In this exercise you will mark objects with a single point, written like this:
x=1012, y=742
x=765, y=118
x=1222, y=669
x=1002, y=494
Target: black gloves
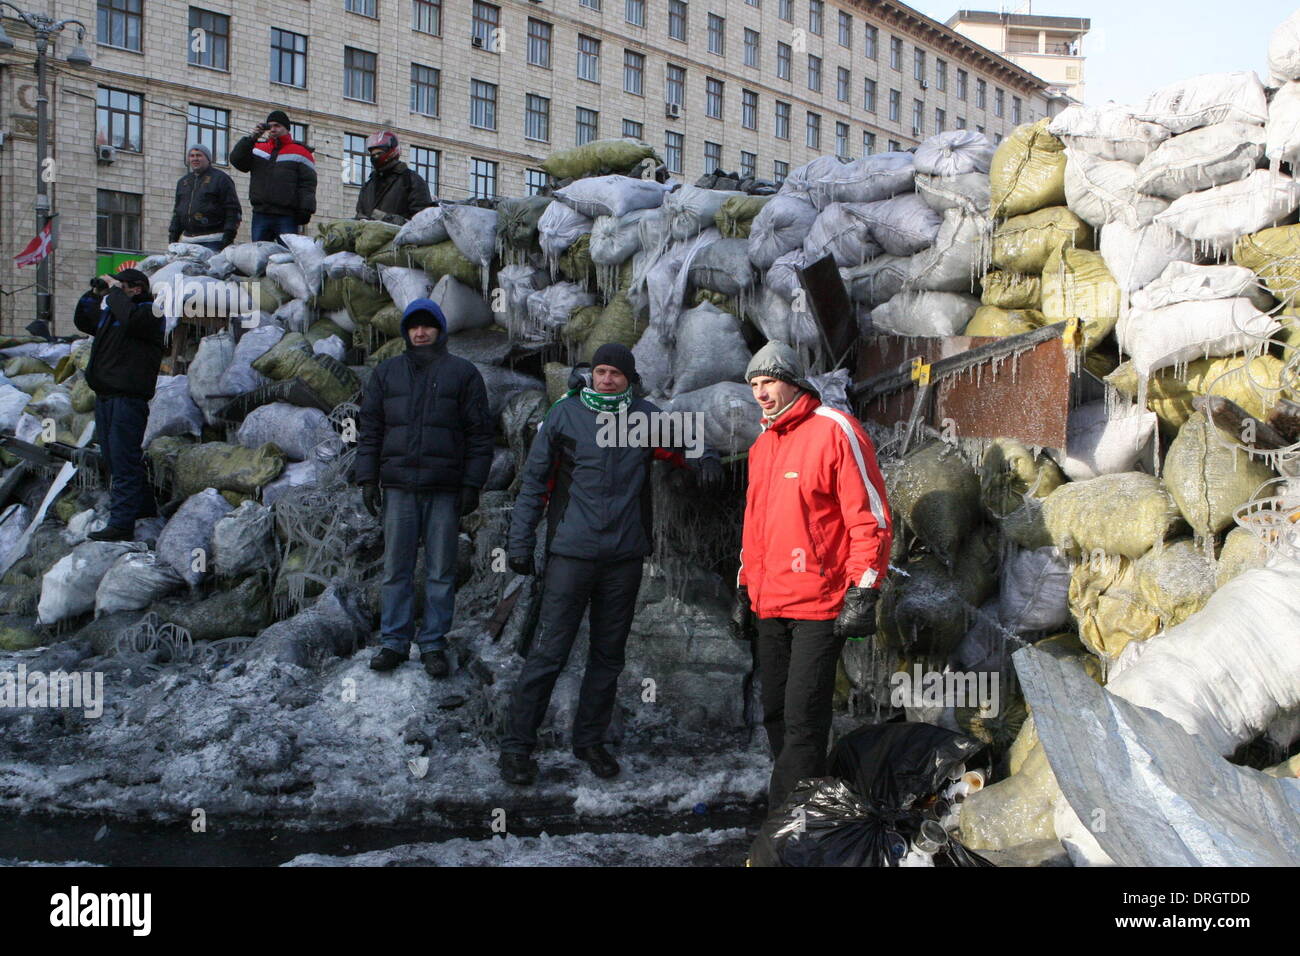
x=579, y=376
x=227, y=238
x=372, y=498
x=709, y=473
x=175, y=238
x=743, y=621
x=857, y=619
x=522, y=565
x=468, y=500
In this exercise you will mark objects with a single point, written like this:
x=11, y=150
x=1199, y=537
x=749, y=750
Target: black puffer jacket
x=206, y=203
x=425, y=429
x=128, y=345
x=283, y=180
x=396, y=190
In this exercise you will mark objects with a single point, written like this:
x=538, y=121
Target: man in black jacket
x=123, y=369
x=207, y=210
x=394, y=192
x=282, y=187
x=426, y=437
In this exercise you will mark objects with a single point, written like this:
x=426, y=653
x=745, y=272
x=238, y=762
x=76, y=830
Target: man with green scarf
x=596, y=496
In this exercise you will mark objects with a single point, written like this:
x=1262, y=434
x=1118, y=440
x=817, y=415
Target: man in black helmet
x=394, y=192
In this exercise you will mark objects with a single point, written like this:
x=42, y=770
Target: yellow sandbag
x=599, y=158
x=1241, y=551
x=1012, y=811
x=26, y=365
x=1077, y=284
x=1010, y=290
x=1028, y=172
x=999, y=323
x=1175, y=581
x=388, y=350
x=1010, y=472
x=1108, y=607
x=735, y=215
x=1127, y=513
x=1025, y=243
x=1209, y=476
x=83, y=396
x=227, y=467
x=1251, y=383
x=1273, y=255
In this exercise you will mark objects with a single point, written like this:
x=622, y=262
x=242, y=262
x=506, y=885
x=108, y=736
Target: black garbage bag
x=899, y=764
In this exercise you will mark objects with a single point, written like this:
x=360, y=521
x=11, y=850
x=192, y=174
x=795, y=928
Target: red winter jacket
x=816, y=516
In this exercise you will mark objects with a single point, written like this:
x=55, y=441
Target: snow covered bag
x=404, y=286
x=1284, y=50
x=723, y=266
x=518, y=283
x=559, y=227
x=190, y=250
x=1191, y=330
x=1035, y=590
x=331, y=345
x=1218, y=216
x=954, y=153
x=244, y=540
x=310, y=256
x=240, y=376
x=296, y=474
x=780, y=227
x=251, y=258
x=924, y=314
x=777, y=319
x=295, y=315
x=1107, y=132
x=614, y=240
x=1283, y=131
x=68, y=588
x=296, y=430
x=968, y=192
x=1099, y=191
x=843, y=232
x=611, y=195
x=549, y=310
x=731, y=416
x=1209, y=98
x=134, y=582
x=826, y=180
x=185, y=545
x=474, y=231
x=710, y=349
x=1186, y=282
x=1097, y=444
x=216, y=353
x=692, y=209
x=876, y=282
x=782, y=277
x=425, y=228
x=1202, y=159
x=833, y=389
x=463, y=307
x=956, y=259
x=289, y=277
x=1135, y=256
x=901, y=226
x=342, y=265
x=172, y=410
x=12, y=403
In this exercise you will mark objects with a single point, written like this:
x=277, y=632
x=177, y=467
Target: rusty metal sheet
x=832, y=309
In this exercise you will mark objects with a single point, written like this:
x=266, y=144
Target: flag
x=38, y=248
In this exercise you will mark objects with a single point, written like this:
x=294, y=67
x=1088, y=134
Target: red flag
x=38, y=248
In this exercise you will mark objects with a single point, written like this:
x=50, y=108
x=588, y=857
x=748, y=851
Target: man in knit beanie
x=207, y=209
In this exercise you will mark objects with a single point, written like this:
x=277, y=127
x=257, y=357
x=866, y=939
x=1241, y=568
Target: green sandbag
x=517, y=220
x=361, y=299
x=575, y=263
x=333, y=381
x=616, y=322
x=1127, y=514
x=26, y=365
x=581, y=321
x=230, y=612
x=724, y=302
x=937, y=494
x=1028, y=172
x=163, y=453
x=269, y=295
x=444, y=259
x=735, y=215
x=330, y=297
x=339, y=235
x=600, y=158
x=322, y=329
x=386, y=351
x=1209, y=476
x=1010, y=290
x=83, y=396
x=1025, y=243
x=271, y=362
x=387, y=321
x=18, y=639
x=557, y=379
x=373, y=236
x=227, y=467
x=295, y=565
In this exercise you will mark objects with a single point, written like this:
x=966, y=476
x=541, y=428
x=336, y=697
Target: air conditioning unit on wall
x=105, y=154
x=672, y=110
x=476, y=42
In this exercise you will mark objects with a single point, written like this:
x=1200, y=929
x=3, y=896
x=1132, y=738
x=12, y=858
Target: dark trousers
x=119, y=428
x=570, y=586
x=268, y=228
x=410, y=516
x=796, y=668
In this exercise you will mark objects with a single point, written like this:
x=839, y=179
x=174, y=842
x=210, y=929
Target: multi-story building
x=1050, y=47
x=478, y=93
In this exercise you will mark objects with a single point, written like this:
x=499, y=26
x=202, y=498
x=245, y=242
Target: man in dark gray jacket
x=589, y=469
x=426, y=438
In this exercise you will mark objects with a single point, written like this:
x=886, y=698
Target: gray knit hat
x=780, y=361
x=201, y=148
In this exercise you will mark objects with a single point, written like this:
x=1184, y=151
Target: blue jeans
x=409, y=516
x=267, y=228
x=119, y=428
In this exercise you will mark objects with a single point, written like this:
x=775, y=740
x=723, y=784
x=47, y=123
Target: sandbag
x=902, y=225
x=731, y=416
x=502, y=384
x=289, y=277
x=296, y=474
x=653, y=364
x=240, y=376
x=991, y=322
x=226, y=467
x=778, y=320
x=1273, y=255
x=1185, y=282
x=1284, y=49
x=780, y=227
x=1023, y=244
x=214, y=356
x=134, y=582
x=1217, y=217
x=1191, y=330
x=295, y=315
x=826, y=180
x=334, y=382
x=517, y=222
x=616, y=322
x=339, y=235
x=1076, y=283
x=1241, y=551
x=1100, y=444
x=1107, y=605
x=372, y=236
x=463, y=307
x=517, y=283
x=937, y=494
x=783, y=278
x=172, y=410
x=735, y=216
x=68, y=588
x=296, y=431
x=309, y=255
x=185, y=545
x=1009, y=473
x=243, y=540
x=691, y=209
x=1137, y=256
x=474, y=231
x=1252, y=383
x=957, y=257
x=872, y=283
x=1107, y=132
x=341, y=265
x=423, y=229
x=968, y=192
x=1009, y=290
x=404, y=286
x=924, y=313
x=723, y=266
x=843, y=232
x=710, y=348
x=559, y=227
x=596, y=158
x=1207, y=157
x=444, y=259
x=549, y=309
x=954, y=153
x=1028, y=173
x=1209, y=477
x=1099, y=191
x=1034, y=590
x=1080, y=515
x=611, y=195
x=615, y=240
x=1175, y=581
x=1209, y=98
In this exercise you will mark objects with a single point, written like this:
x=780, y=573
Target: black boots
x=386, y=659
x=519, y=769
x=112, y=534
x=435, y=663
x=599, y=759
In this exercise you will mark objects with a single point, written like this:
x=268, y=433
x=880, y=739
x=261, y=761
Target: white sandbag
x=826, y=180
x=924, y=314
x=957, y=258
x=404, y=286
x=68, y=588
x=190, y=250
x=666, y=283
x=1284, y=50
x=134, y=582
x=549, y=310
x=1202, y=159
x=1107, y=132
x=13, y=524
x=296, y=315
x=425, y=228
x=51, y=353
x=517, y=282
x=1099, y=191
x=1097, y=444
x=219, y=267
x=954, y=153
x=463, y=307
x=331, y=345
x=1191, y=330
x=215, y=354
x=780, y=227
x=172, y=410
x=782, y=277
x=185, y=545
x=296, y=430
x=559, y=227
x=243, y=541
x=1187, y=282
x=1283, y=131
x=968, y=192
x=778, y=319
x=1136, y=256
x=833, y=389
x=289, y=277
x=251, y=258
x=693, y=208
x=151, y=264
x=55, y=404
x=1218, y=216
x=240, y=376
x=166, y=275
x=842, y=232
x=341, y=265
x=611, y=195
x=28, y=429
x=1035, y=590
x=1209, y=98
x=296, y=474
x=723, y=266
x=710, y=348
x=903, y=225
x=653, y=364
x=474, y=231
x=877, y=281
x=12, y=403
x=309, y=254
x=732, y=419
x=614, y=240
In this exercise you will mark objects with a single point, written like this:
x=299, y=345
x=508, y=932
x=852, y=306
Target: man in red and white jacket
x=282, y=187
x=814, y=553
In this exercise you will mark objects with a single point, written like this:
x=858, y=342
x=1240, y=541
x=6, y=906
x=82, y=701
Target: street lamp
x=44, y=27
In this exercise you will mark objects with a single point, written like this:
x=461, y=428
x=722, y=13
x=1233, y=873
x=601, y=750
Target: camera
x=98, y=285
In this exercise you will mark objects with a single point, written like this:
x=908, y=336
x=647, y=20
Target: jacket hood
x=426, y=307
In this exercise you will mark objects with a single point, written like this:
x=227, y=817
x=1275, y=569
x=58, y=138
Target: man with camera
x=207, y=210
x=282, y=181
x=123, y=369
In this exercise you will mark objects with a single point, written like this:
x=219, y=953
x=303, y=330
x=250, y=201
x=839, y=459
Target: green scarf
x=603, y=402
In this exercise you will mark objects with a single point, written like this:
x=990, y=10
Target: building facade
x=1049, y=47
x=478, y=93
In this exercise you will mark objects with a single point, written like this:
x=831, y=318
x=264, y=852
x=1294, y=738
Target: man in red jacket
x=814, y=553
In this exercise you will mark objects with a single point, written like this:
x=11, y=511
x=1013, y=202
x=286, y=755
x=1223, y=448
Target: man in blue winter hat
x=424, y=449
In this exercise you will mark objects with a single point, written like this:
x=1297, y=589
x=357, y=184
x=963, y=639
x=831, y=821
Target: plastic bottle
x=929, y=840
x=969, y=782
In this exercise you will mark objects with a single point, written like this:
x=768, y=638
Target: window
x=677, y=20
x=591, y=4
x=813, y=139
x=633, y=72
x=427, y=163
x=918, y=64
x=537, y=118
x=782, y=120
x=717, y=35
x=868, y=142
x=981, y=95
x=119, y=119
x=426, y=17
x=483, y=178
x=482, y=104
x=918, y=117
x=298, y=132
x=786, y=11
x=870, y=42
x=367, y=8
x=979, y=129
x=539, y=43
x=895, y=53
x=1015, y=110
x=751, y=47
x=814, y=73
x=535, y=180
x=961, y=122
x=424, y=90
x=940, y=120
x=634, y=12
x=211, y=127
x=869, y=95
x=895, y=105
x=117, y=225
x=999, y=103
x=713, y=98
x=846, y=29
x=356, y=162
x=588, y=58
x=783, y=55
x=486, y=26
x=675, y=84
x=753, y=3
x=941, y=74
x=209, y=42
x=358, y=75
x=842, y=82
x=894, y=146
x=633, y=130
x=748, y=163
x=288, y=58
x=749, y=109
x=780, y=170
x=815, y=17
x=712, y=156
x=997, y=138
x=119, y=23
x=963, y=78
x=842, y=140
x=674, y=151
x=587, y=126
